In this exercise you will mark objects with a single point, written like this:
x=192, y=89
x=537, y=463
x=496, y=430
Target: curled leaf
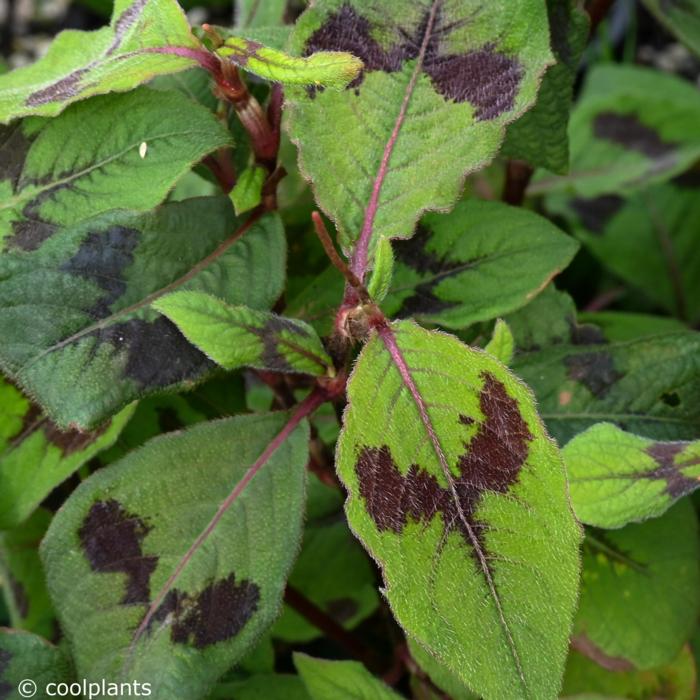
x=334, y=69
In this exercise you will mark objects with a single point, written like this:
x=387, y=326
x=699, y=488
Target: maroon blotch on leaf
x=112, y=538
x=664, y=454
x=483, y=77
x=626, y=130
x=216, y=614
x=491, y=463
x=595, y=370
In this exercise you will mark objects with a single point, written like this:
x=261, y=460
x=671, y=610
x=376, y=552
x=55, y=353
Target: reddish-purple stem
x=304, y=409
x=361, y=255
x=204, y=58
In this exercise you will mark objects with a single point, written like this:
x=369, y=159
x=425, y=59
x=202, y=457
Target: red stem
x=326, y=624
x=360, y=258
x=518, y=176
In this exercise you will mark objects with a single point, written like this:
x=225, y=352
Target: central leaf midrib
x=389, y=340
x=360, y=256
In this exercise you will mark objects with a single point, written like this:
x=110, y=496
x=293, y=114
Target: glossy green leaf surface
x=640, y=589
x=441, y=80
x=482, y=260
x=631, y=128
x=617, y=477
x=540, y=136
x=118, y=539
x=340, y=680
x=146, y=38
x=103, y=345
x=467, y=514
x=237, y=336
x=35, y=456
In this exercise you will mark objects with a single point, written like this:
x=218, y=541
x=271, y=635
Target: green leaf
x=112, y=551
x=340, y=680
x=383, y=271
x=22, y=577
x=648, y=239
x=27, y=657
x=647, y=386
x=502, y=343
x=540, y=136
x=334, y=69
x=675, y=680
x=640, y=589
x=441, y=676
x=617, y=477
x=458, y=493
x=549, y=319
x=36, y=456
x=256, y=13
x=247, y=192
x=632, y=127
x=619, y=325
x=146, y=38
x=482, y=260
x=681, y=17
x=237, y=336
x=58, y=172
x=441, y=81
x=268, y=686
x=78, y=330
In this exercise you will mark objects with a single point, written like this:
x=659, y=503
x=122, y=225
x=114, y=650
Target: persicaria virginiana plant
x=291, y=407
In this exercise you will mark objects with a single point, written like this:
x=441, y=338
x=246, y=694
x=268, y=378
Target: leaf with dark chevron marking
x=648, y=239
x=237, y=336
x=111, y=551
x=643, y=382
x=78, y=327
x=441, y=80
x=631, y=128
x=146, y=38
x=482, y=260
x=459, y=494
x=617, y=477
